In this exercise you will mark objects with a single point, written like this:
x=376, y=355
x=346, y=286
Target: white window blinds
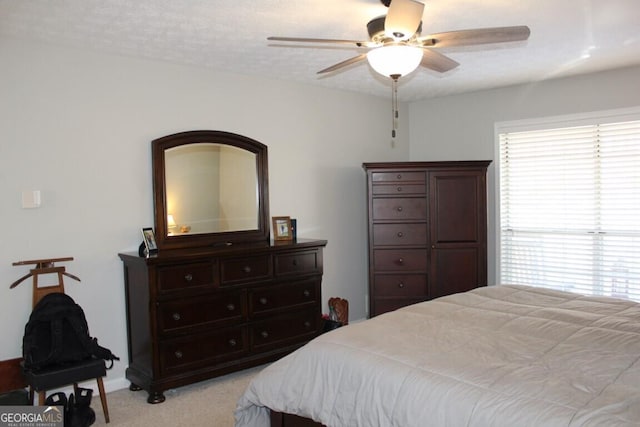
x=570, y=208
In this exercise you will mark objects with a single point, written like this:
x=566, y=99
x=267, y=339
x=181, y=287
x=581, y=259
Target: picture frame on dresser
x=149, y=238
x=282, y=228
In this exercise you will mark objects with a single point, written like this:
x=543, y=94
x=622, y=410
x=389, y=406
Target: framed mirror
x=210, y=188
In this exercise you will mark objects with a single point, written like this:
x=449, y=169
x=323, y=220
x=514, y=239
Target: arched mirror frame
x=158, y=148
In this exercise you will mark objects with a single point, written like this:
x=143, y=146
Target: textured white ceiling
x=231, y=36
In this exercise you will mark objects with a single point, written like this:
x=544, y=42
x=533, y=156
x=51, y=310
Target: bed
x=495, y=356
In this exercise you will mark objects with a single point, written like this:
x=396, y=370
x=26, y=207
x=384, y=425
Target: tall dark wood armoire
x=427, y=231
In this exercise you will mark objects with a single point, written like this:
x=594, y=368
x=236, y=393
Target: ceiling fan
x=401, y=30
x=397, y=46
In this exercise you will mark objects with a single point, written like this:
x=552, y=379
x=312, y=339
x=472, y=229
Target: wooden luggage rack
x=62, y=375
x=44, y=266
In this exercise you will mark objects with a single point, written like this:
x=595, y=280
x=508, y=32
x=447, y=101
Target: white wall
x=462, y=127
x=77, y=126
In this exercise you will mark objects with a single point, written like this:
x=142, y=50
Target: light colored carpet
x=207, y=403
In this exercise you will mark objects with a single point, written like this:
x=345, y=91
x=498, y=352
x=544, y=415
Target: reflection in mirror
x=210, y=188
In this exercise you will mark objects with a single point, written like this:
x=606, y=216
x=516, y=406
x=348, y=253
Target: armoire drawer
x=186, y=276
x=203, y=311
x=399, y=208
x=401, y=285
x=400, y=234
x=296, y=263
x=384, y=305
x=246, y=269
x=398, y=176
x=284, y=296
x=400, y=259
x=199, y=350
x=285, y=329
x=398, y=189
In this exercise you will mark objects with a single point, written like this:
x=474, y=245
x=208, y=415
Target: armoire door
x=457, y=204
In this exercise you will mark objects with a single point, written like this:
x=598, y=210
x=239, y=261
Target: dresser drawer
x=285, y=329
x=200, y=350
x=186, y=276
x=401, y=208
x=278, y=297
x=399, y=189
x=398, y=176
x=401, y=285
x=185, y=313
x=399, y=234
x=243, y=270
x=296, y=263
x=400, y=259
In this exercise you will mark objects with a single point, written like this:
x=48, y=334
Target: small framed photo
x=149, y=240
x=282, y=228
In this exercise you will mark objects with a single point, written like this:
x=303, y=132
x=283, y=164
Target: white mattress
x=495, y=356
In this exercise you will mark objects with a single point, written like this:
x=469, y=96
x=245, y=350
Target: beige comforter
x=497, y=356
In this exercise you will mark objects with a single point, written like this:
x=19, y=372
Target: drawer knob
x=188, y=277
x=306, y=293
x=401, y=285
x=433, y=246
x=399, y=176
x=246, y=269
x=263, y=301
x=178, y=354
x=307, y=324
x=232, y=342
x=399, y=208
x=399, y=189
x=400, y=234
x=176, y=316
x=264, y=334
x=400, y=260
x=231, y=307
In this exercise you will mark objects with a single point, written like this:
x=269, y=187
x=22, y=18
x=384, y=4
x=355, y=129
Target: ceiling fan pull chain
x=394, y=104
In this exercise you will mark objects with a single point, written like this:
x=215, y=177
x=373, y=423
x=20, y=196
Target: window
x=569, y=195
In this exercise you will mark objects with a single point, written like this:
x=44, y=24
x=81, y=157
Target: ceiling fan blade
x=437, y=62
x=312, y=40
x=403, y=18
x=477, y=36
x=343, y=64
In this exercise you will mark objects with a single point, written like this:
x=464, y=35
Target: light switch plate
x=31, y=199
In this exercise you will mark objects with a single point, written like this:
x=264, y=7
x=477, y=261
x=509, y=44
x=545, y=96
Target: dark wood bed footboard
x=280, y=419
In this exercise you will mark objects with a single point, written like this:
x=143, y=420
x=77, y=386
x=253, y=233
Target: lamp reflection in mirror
x=171, y=223
x=395, y=59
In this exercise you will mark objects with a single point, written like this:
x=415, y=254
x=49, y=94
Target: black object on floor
x=15, y=398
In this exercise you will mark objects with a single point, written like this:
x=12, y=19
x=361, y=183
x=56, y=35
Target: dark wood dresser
x=427, y=231
x=196, y=313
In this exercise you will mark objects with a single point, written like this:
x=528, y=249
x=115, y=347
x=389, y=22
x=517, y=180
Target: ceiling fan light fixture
x=398, y=60
x=403, y=19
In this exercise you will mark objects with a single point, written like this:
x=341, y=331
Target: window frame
x=542, y=123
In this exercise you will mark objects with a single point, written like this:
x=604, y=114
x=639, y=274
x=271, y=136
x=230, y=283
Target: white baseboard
x=116, y=384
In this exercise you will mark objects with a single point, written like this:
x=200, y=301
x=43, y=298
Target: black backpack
x=57, y=333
